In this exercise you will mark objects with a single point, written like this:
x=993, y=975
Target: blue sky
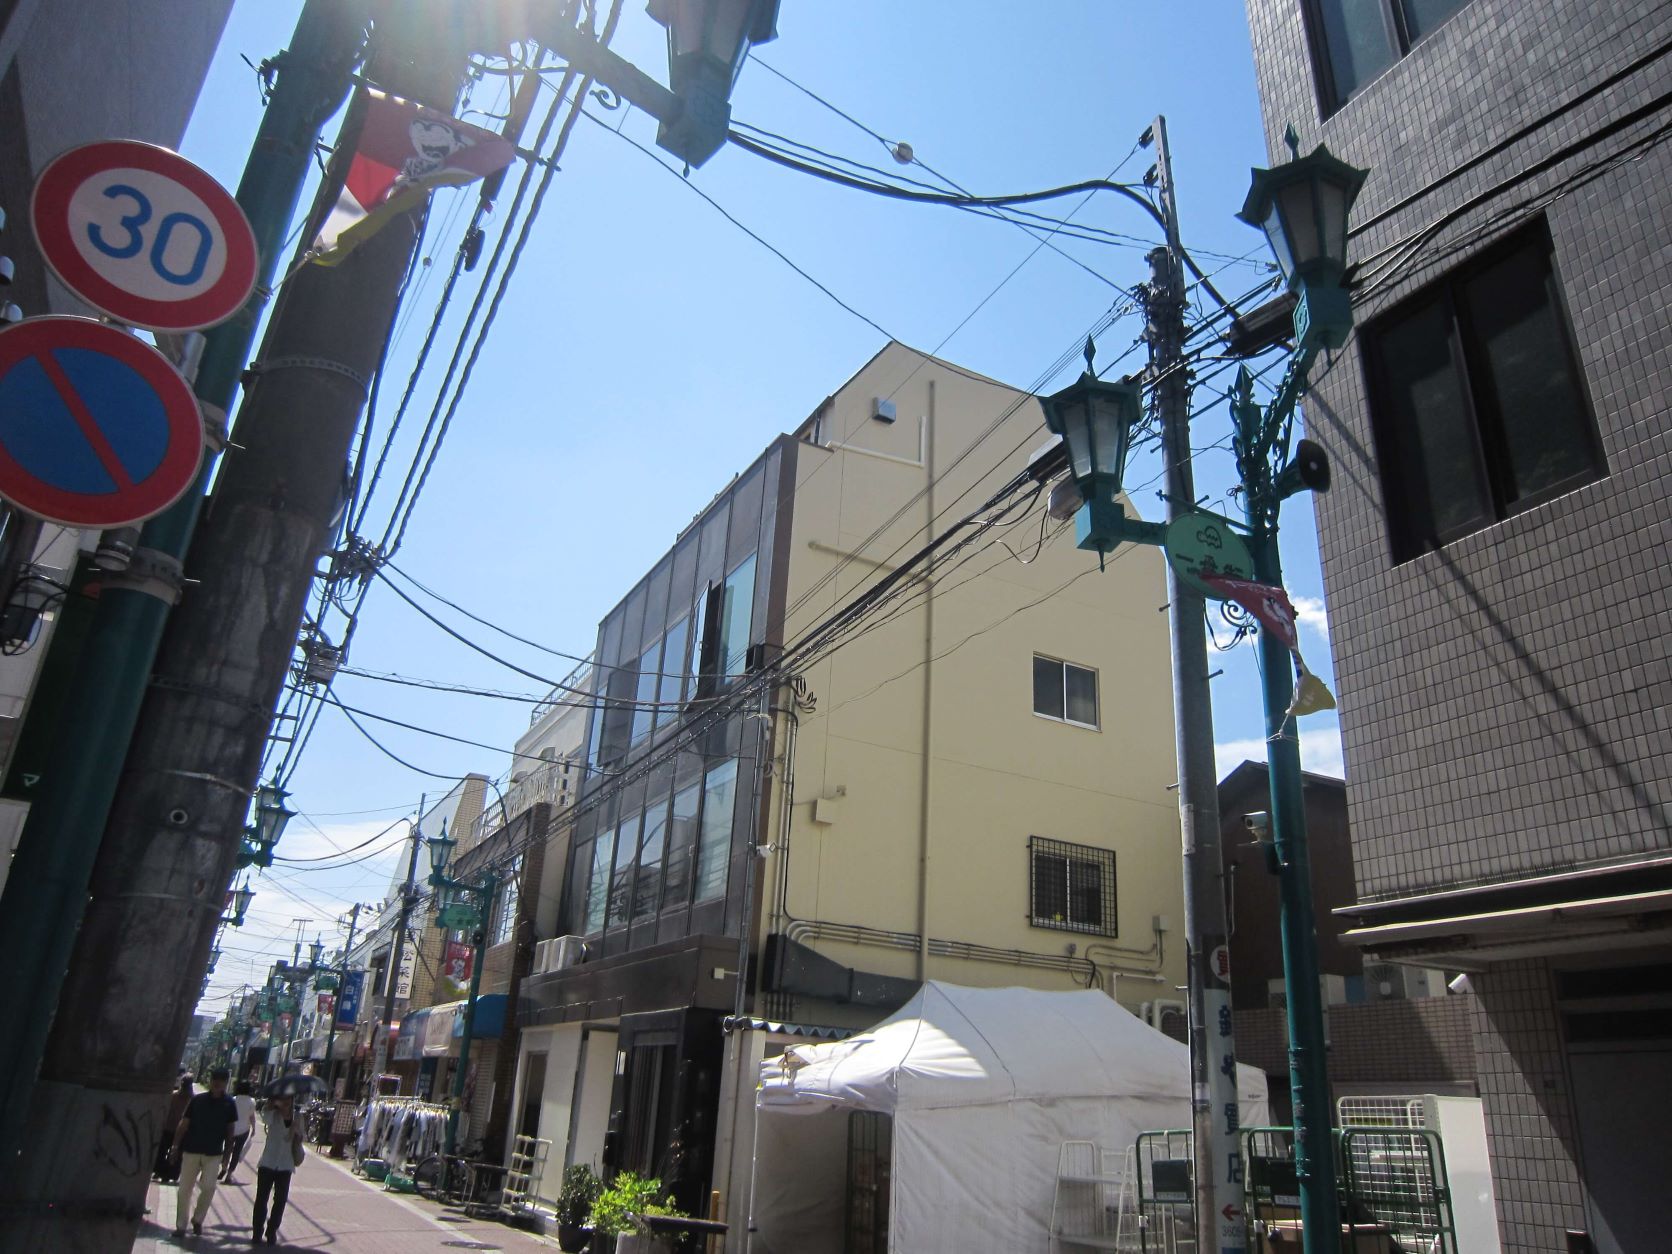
x=647, y=348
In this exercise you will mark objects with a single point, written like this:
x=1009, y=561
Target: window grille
x=1071, y=887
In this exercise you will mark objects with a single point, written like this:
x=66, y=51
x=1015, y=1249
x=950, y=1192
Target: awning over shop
x=437, y=1031
x=775, y=1027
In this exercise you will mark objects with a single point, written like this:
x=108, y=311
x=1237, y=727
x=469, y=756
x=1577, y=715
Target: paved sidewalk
x=330, y=1209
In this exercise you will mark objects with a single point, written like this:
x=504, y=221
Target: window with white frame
x=1071, y=887
x=1064, y=691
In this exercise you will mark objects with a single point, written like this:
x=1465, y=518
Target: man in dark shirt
x=199, y=1141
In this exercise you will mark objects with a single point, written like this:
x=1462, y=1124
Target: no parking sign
x=143, y=235
x=97, y=429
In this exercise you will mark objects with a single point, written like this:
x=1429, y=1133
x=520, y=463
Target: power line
x=749, y=231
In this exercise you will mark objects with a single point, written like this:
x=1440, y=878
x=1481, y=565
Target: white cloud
x=1320, y=751
x=1310, y=613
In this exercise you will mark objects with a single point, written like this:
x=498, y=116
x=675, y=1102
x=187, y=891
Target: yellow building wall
x=998, y=773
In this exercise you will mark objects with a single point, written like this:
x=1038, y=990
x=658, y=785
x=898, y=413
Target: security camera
x=1258, y=823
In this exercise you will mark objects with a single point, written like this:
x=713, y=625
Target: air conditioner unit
x=570, y=951
x=1425, y=982
x=544, y=952
x=1168, y=1016
x=1333, y=989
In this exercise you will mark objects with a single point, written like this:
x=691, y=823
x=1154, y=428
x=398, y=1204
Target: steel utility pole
x=397, y=954
x=170, y=844
x=337, y=1002
x=1218, y=1169
x=47, y=885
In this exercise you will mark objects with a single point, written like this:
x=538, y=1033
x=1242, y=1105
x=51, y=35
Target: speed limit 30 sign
x=143, y=235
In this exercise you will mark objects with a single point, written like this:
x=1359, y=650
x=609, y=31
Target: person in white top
x=280, y=1154
x=241, y=1130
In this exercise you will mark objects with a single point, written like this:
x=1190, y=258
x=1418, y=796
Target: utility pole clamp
x=258, y=368
x=151, y=574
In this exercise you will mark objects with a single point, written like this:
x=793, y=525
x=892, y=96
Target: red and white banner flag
x=403, y=150
x=1270, y=605
x=1272, y=609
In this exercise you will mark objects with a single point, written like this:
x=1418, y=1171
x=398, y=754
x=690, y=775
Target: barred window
x=1071, y=887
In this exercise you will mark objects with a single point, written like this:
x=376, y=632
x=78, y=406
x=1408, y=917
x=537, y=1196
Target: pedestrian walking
x=245, y=1101
x=199, y=1141
x=165, y=1168
x=281, y=1155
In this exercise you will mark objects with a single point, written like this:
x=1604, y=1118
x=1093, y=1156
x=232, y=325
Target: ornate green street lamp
x=239, y=899
x=1095, y=418
x=441, y=852
x=1302, y=206
x=462, y=906
x=261, y=837
x=708, y=41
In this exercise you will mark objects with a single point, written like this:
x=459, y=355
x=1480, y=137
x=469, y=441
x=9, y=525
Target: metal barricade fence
x=1166, y=1200
x=1397, y=1177
x=1272, y=1194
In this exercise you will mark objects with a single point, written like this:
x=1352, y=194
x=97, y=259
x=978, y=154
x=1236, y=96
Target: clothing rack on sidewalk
x=396, y=1129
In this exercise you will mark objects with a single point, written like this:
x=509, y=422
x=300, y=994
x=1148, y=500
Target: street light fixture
x=1095, y=419
x=272, y=816
x=240, y=899
x=1302, y=206
x=708, y=41
x=441, y=852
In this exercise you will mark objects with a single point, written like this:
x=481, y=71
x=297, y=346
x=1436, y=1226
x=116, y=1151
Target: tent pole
x=754, y=1163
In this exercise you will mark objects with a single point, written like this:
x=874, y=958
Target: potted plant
x=580, y=1190
x=617, y=1215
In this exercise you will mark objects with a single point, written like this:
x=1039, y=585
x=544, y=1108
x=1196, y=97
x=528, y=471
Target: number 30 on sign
x=143, y=235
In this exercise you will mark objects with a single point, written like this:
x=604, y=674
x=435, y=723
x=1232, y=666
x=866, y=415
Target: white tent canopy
x=984, y=1085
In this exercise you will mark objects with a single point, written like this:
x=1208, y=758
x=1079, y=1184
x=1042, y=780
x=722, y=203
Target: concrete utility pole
x=1218, y=1167
x=397, y=954
x=170, y=844
x=47, y=885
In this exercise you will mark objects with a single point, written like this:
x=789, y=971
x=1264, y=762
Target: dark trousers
x=234, y=1152
x=278, y=1184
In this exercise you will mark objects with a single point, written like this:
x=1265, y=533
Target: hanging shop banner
x=1272, y=609
x=402, y=152
x=348, y=1010
x=325, y=1002
x=456, y=964
x=409, y=963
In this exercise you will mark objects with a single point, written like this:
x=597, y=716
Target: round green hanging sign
x=1203, y=544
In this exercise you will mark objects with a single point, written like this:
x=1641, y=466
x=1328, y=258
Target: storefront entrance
x=666, y=1095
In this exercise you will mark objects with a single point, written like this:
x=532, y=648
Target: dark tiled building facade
x=1494, y=550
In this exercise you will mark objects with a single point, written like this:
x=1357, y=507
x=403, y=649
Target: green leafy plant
x=580, y=1191
x=624, y=1199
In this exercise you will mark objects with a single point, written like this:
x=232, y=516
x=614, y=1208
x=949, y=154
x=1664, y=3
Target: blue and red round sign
x=97, y=428
x=143, y=235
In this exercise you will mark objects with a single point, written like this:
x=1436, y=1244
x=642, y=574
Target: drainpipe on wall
x=928, y=699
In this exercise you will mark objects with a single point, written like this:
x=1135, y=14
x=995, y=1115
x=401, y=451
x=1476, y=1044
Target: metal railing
x=575, y=686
